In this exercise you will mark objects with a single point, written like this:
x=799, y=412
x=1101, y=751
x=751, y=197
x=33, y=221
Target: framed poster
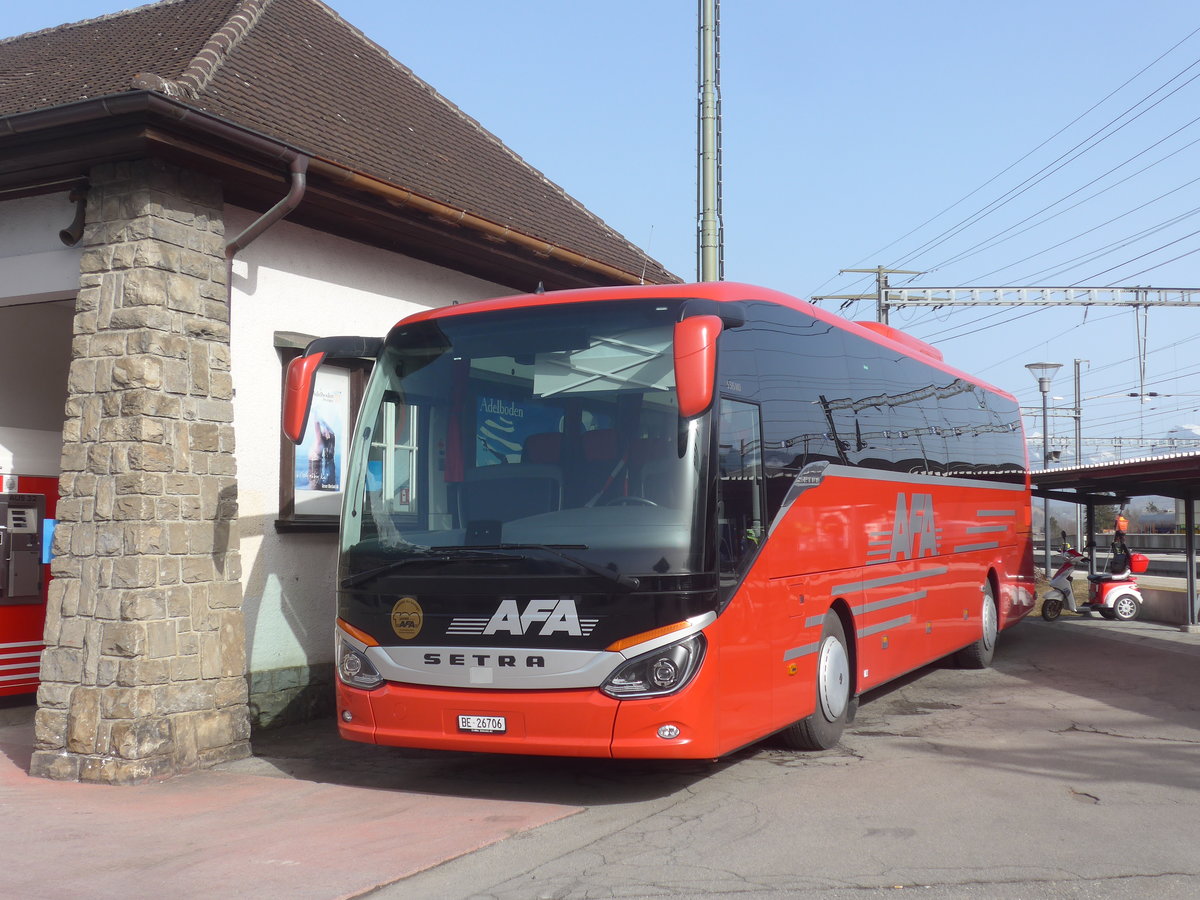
x=312, y=473
x=317, y=462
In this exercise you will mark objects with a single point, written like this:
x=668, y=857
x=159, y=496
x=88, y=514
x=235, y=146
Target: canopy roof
x=1175, y=475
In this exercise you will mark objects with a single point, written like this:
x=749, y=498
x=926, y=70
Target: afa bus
x=660, y=522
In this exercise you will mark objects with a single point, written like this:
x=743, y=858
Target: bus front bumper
x=544, y=723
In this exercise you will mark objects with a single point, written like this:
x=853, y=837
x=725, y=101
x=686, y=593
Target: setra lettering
x=502, y=661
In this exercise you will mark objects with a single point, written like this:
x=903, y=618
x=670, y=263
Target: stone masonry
x=144, y=670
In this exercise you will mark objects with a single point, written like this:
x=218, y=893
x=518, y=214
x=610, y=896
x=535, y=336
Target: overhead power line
x=1031, y=152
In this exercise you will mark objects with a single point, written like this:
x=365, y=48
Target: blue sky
x=859, y=134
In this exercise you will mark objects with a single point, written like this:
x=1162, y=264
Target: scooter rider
x=1118, y=563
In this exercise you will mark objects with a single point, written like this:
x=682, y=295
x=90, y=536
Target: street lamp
x=1044, y=373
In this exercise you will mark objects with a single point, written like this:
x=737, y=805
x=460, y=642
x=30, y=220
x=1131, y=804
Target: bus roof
x=721, y=292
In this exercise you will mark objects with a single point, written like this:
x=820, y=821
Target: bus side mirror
x=302, y=372
x=695, y=344
x=298, y=394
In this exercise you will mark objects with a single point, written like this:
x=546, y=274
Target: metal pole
x=1044, y=372
x=1044, y=384
x=1091, y=540
x=709, y=238
x=1078, y=447
x=881, y=285
x=1189, y=525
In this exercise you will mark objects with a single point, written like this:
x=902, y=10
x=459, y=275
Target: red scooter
x=1060, y=592
x=1113, y=593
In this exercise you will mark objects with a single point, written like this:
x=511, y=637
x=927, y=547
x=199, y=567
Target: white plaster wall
x=38, y=277
x=296, y=279
x=34, y=263
x=35, y=354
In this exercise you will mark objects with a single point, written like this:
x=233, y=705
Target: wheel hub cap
x=833, y=678
x=990, y=623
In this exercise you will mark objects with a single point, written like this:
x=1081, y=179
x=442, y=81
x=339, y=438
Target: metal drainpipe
x=299, y=169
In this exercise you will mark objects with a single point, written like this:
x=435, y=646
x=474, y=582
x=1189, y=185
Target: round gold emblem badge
x=407, y=618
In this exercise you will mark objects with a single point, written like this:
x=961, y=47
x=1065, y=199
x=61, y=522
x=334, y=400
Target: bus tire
x=979, y=654
x=835, y=703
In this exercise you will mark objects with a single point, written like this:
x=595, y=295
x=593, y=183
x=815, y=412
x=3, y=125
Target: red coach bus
x=661, y=522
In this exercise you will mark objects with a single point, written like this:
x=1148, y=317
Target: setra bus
x=661, y=521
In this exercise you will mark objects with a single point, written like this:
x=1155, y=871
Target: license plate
x=483, y=724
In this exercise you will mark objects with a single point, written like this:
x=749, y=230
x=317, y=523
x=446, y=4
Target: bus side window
x=741, y=526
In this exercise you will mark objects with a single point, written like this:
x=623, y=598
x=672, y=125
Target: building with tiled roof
x=275, y=78
x=189, y=191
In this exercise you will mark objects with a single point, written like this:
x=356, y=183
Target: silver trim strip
x=883, y=626
x=804, y=650
x=891, y=601
x=967, y=548
x=809, y=477
x=914, y=478
x=869, y=583
x=986, y=529
x=558, y=668
x=982, y=513
x=479, y=667
x=23, y=644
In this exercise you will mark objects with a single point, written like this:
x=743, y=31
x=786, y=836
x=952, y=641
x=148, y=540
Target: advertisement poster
x=318, y=461
x=502, y=426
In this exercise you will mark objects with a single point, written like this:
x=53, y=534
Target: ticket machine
x=22, y=521
x=25, y=531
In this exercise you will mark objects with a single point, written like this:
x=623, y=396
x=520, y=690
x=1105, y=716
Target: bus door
x=751, y=621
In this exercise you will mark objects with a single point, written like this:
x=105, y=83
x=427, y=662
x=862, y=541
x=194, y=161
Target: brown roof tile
x=294, y=70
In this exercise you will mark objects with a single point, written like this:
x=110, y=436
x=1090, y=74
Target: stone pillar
x=143, y=674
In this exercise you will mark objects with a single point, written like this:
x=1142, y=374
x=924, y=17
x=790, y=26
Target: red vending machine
x=27, y=509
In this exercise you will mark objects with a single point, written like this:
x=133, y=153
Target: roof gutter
x=401, y=197
x=146, y=101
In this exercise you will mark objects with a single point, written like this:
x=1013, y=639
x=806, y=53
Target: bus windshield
x=549, y=434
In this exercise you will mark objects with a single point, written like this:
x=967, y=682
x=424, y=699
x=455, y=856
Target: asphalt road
x=1071, y=769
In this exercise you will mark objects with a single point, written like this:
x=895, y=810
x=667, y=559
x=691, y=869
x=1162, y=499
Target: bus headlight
x=659, y=672
x=355, y=669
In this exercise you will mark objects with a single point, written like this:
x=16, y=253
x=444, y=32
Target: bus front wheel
x=835, y=705
x=979, y=654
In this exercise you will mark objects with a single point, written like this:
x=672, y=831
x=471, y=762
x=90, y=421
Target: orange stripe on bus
x=357, y=633
x=625, y=643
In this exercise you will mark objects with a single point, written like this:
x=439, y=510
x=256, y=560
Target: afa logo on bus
x=914, y=529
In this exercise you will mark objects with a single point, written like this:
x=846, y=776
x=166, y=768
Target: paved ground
x=1070, y=770
x=246, y=829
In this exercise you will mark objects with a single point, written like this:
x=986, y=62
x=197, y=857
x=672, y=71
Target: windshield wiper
x=625, y=582
x=443, y=555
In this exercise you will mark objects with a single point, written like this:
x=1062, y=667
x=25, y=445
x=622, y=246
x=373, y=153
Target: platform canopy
x=1175, y=475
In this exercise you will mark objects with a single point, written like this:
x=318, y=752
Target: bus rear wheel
x=979, y=654
x=835, y=705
